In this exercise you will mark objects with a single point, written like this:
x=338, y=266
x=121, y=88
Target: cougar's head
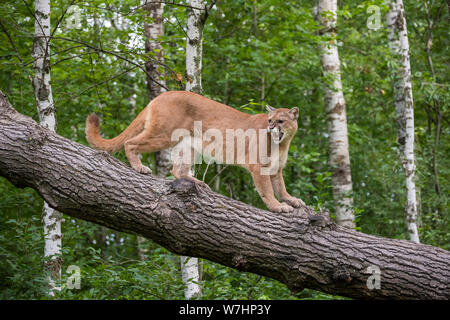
x=282, y=123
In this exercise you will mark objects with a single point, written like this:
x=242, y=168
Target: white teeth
x=277, y=136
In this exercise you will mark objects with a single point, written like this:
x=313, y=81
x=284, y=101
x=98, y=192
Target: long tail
x=114, y=144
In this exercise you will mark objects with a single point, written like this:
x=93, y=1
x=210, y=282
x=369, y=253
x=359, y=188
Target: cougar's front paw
x=144, y=169
x=282, y=207
x=295, y=202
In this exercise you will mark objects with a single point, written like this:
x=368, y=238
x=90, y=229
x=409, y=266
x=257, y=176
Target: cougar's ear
x=269, y=108
x=294, y=112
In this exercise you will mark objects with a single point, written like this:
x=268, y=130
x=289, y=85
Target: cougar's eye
x=280, y=121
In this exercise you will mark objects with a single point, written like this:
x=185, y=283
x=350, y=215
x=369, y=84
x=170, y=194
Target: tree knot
x=37, y=138
x=341, y=274
x=183, y=186
x=239, y=262
x=316, y=220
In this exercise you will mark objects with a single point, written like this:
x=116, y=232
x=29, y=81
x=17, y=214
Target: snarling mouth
x=280, y=136
x=277, y=136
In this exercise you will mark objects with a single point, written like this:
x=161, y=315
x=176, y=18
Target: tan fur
x=152, y=130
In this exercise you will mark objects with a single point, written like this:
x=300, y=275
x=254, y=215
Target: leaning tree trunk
x=404, y=109
x=195, y=22
x=337, y=118
x=46, y=111
x=300, y=249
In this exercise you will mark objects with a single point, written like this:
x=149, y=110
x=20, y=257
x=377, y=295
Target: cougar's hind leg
x=144, y=142
x=182, y=168
x=183, y=171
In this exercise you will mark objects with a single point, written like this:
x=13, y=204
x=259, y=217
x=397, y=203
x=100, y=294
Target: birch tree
x=45, y=107
x=404, y=109
x=195, y=23
x=336, y=114
x=154, y=30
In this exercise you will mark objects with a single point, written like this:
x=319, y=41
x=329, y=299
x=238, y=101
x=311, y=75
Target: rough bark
x=404, y=109
x=46, y=111
x=41, y=64
x=300, y=249
x=154, y=30
x=194, y=45
x=337, y=117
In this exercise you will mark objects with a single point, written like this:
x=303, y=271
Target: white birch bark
x=191, y=277
x=404, y=109
x=194, y=46
x=154, y=30
x=195, y=22
x=44, y=100
x=337, y=118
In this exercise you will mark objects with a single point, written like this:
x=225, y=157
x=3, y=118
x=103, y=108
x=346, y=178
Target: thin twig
x=165, y=2
x=11, y=41
x=218, y=173
x=113, y=54
x=71, y=57
x=55, y=53
x=95, y=84
x=61, y=18
x=179, y=26
x=206, y=170
x=139, y=7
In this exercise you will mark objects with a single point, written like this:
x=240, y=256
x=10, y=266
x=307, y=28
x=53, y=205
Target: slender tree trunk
x=404, y=109
x=300, y=249
x=154, y=30
x=46, y=111
x=263, y=91
x=431, y=23
x=337, y=118
x=194, y=46
x=195, y=22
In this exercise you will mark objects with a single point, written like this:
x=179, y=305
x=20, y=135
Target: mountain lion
x=197, y=119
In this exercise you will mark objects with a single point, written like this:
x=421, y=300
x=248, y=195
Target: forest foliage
x=254, y=52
